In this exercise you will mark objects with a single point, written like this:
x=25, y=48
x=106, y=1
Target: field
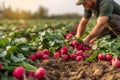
x=49, y=50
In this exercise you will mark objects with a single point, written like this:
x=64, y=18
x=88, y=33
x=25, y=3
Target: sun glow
x=53, y=6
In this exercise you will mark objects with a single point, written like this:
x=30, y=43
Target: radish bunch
x=77, y=51
x=39, y=55
x=108, y=57
x=19, y=73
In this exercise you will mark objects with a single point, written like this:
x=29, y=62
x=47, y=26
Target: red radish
x=69, y=36
x=91, y=42
x=31, y=74
x=85, y=56
x=65, y=36
x=0, y=66
x=72, y=56
x=65, y=57
x=39, y=54
x=75, y=43
x=32, y=57
x=116, y=63
x=58, y=51
x=79, y=47
x=108, y=57
x=113, y=59
x=19, y=72
x=64, y=50
x=71, y=32
x=85, y=48
x=45, y=51
x=57, y=54
x=79, y=58
x=45, y=56
x=79, y=53
x=40, y=73
x=101, y=57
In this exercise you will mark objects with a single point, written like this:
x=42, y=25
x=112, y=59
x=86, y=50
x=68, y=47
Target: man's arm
x=81, y=27
x=101, y=21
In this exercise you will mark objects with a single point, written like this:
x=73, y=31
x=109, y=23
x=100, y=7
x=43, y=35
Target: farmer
x=108, y=19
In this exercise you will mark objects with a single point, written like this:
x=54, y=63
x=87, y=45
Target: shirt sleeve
x=87, y=13
x=106, y=8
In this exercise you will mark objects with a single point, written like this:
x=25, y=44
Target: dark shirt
x=103, y=8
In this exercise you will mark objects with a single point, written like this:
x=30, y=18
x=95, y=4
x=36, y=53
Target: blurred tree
x=7, y=13
x=2, y=6
x=25, y=14
x=42, y=12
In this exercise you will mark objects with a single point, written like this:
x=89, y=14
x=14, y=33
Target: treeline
x=9, y=13
x=42, y=12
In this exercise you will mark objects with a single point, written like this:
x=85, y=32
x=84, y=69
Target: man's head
x=88, y=4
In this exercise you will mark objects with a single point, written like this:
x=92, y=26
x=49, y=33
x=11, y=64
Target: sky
x=53, y=6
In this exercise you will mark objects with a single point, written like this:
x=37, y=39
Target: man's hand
x=86, y=41
x=77, y=36
x=81, y=27
x=101, y=21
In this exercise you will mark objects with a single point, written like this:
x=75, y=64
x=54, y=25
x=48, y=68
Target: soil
x=59, y=69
